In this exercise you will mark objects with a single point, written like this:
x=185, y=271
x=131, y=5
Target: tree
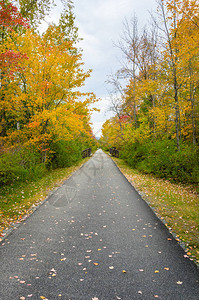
x=35, y=10
x=11, y=61
x=40, y=85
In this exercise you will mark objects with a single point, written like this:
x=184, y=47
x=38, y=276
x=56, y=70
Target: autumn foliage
x=161, y=98
x=42, y=111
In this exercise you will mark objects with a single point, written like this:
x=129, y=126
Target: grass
x=177, y=205
x=18, y=200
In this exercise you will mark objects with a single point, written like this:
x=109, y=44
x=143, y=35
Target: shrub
x=65, y=153
x=162, y=159
x=21, y=165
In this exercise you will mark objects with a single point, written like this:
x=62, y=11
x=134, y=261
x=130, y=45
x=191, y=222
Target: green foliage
x=67, y=23
x=134, y=154
x=162, y=159
x=65, y=153
x=20, y=165
x=35, y=11
x=25, y=163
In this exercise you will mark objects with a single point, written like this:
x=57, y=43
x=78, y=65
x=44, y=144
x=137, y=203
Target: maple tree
x=11, y=59
x=41, y=77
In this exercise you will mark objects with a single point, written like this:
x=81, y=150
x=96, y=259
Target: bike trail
x=95, y=238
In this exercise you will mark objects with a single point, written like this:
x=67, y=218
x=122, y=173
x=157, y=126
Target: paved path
x=95, y=238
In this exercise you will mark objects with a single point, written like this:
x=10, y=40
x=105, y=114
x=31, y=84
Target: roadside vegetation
x=176, y=204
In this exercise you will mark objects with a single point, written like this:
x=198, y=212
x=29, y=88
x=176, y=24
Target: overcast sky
x=100, y=24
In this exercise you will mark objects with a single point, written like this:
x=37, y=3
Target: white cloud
x=111, y=10
x=98, y=118
x=100, y=23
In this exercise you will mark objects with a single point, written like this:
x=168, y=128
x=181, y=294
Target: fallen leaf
x=96, y=264
x=124, y=271
x=179, y=282
x=156, y=271
x=111, y=267
x=53, y=270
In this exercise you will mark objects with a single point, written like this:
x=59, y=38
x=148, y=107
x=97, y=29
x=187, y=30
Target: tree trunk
x=177, y=111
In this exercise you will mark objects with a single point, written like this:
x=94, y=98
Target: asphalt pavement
x=95, y=238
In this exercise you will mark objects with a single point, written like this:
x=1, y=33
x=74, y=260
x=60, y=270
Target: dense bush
x=65, y=154
x=20, y=165
x=162, y=159
x=26, y=163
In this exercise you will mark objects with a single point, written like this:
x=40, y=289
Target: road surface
x=95, y=238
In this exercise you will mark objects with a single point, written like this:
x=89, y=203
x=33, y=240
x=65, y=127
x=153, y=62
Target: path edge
x=34, y=207
x=146, y=198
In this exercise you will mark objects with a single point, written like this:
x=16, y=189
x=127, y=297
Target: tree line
x=44, y=116
x=156, y=122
